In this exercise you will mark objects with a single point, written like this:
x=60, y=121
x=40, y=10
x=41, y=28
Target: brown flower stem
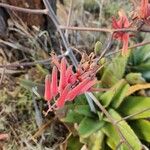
x=98, y=29
x=131, y=47
x=139, y=45
x=130, y=116
x=25, y=10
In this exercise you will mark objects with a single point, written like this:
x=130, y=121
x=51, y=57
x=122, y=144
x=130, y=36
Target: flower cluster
x=141, y=13
x=123, y=22
x=144, y=12
x=69, y=84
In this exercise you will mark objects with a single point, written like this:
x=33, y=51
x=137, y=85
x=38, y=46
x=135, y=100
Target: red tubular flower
x=47, y=94
x=62, y=82
x=69, y=73
x=70, y=85
x=123, y=22
x=75, y=91
x=61, y=100
x=142, y=12
x=54, y=60
x=87, y=87
x=144, y=9
x=54, y=87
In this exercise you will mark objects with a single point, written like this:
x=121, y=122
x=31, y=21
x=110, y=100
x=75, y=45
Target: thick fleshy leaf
x=88, y=126
x=142, y=129
x=135, y=78
x=120, y=95
x=125, y=129
x=112, y=134
x=117, y=91
x=111, y=144
x=73, y=117
x=98, y=47
x=83, y=110
x=139, y=59
x=144, y=66
x=114, y=71
x=146, y=75
x=134, y=105
x=96, y=141
x=73, y=143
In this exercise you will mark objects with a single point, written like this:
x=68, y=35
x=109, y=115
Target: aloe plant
x=129, y=110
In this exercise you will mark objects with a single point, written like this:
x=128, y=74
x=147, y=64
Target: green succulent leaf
x=73, y=143
x=140, y=61
x=72, y=117
x=114, y=71
x=135, y=78
x=115, y=95
x=98, y=47
x=120, y=95
x=142, y=129
x=140, y=55
x=96, y=141
x=110, y=143
x=83, y=110
x=137, y=106
x=126, y=131
x=88, y=126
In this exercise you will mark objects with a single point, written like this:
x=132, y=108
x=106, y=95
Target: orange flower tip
x=47, y=94
x=63, y=61
x=55, y=61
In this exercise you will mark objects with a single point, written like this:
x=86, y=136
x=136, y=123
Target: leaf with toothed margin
x=134, y=104
x=114, y=71
x=126, y=131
